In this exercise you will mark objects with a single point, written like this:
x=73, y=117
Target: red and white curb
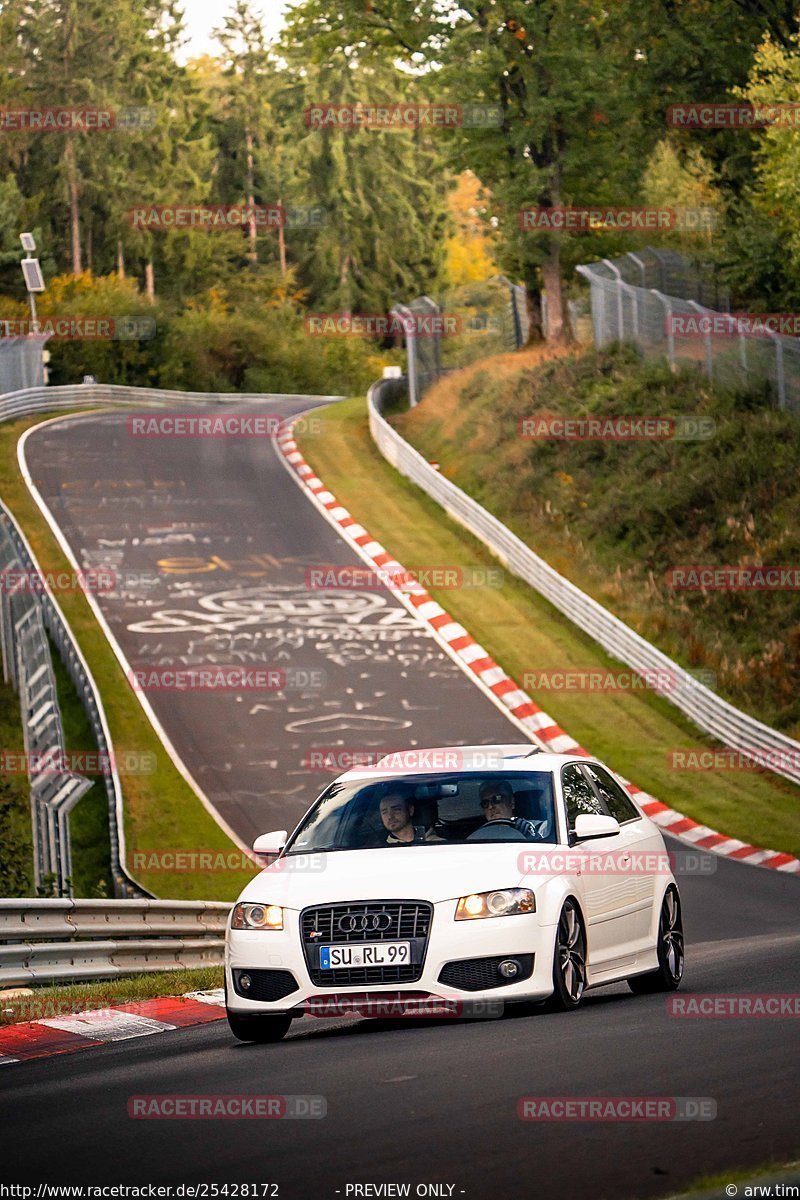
x=493, y=680
x=83, y=1030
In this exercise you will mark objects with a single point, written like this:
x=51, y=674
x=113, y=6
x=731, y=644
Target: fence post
x=618, y=278
x=780, y=376
x=640, y=264
x=407, y=317
x=742, y=346
x=709, y=357
x=665, y=300
x=634, y=309
x=662, y=270
x=515, y=317
x=437, y=337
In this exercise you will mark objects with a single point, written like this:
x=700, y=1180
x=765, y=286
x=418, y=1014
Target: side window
x=579, y=795
x=612, y=795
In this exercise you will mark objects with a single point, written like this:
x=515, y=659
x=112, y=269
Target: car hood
x=432, y=873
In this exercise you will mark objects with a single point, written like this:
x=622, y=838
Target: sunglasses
x=487, y=800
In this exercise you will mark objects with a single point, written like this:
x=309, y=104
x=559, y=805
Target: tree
x=248, y=70
x=469, y=247
x=382, y=192
x=684, y=180
x=114, y=55
x=546, y=68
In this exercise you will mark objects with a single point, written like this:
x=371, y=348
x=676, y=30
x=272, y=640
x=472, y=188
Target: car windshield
x=430, y=810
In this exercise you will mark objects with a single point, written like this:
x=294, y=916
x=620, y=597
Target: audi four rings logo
x=375, y=922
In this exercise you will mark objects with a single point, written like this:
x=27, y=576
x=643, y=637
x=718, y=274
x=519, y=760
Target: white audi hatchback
x=454, y=881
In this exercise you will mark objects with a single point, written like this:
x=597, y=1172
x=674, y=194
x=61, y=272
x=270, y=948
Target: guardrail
x=710, y=712
x=53, y=795
x=57, y=940
x=31, y=401
x=28, y=666
x=25, y=618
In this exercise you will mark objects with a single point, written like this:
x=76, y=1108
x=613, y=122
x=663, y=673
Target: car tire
x=270, y=1028
x=669, y=972
x=569, y=960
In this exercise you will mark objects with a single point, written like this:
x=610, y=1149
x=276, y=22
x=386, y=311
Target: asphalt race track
x=436, y=1102
x=419, y=1102
x=212, y=543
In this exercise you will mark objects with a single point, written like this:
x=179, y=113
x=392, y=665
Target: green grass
x=769, y=1173
x=42, y=1002
x=162, y=813
x=633, y=732
x=16, y=839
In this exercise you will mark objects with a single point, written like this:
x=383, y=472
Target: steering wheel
x=484, y=832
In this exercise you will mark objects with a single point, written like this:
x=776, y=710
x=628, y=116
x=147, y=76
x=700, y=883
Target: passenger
x=396, y=813
x=497, y=801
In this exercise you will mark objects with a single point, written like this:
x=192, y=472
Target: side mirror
x=270, y=843
x=594, y=825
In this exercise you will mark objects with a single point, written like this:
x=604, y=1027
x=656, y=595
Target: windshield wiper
x=314, y=850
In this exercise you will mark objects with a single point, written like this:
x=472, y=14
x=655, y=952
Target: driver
x=497, y=801
x=396, y=813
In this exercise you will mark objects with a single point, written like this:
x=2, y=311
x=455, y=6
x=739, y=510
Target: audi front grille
x=373, y=921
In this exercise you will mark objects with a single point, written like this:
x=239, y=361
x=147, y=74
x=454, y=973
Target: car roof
x=438, y=760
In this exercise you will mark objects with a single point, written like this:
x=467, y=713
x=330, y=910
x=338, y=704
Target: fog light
x=508, y=968
x=245, y=981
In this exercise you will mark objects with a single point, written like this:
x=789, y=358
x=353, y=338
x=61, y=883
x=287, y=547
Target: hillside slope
x=617, y=516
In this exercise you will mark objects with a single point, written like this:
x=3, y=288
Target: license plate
x=364, y=954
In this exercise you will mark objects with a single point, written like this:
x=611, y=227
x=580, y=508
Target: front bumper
x=521, y=937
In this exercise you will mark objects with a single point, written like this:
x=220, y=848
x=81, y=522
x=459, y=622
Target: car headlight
x=257, y=916
x=507, y=903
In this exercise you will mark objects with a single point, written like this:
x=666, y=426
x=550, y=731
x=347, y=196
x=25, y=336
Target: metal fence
x=657, y=300
x=710, y=712
x=466, y=324
x=21, y=361
x=58, y=940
